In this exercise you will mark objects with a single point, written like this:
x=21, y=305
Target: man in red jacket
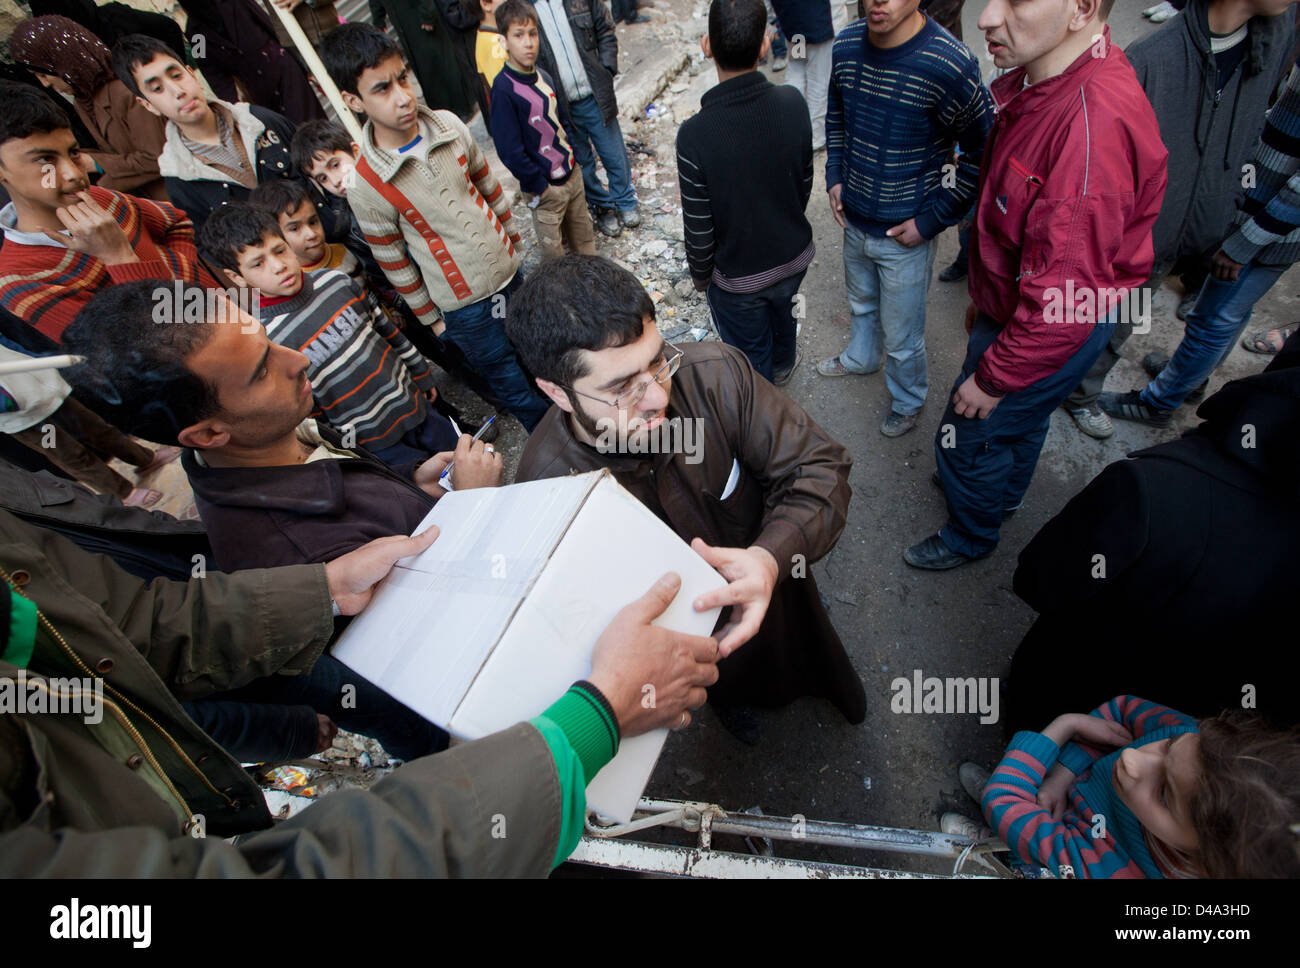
x=1073, y=178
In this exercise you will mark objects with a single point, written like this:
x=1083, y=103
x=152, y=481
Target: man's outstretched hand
x=352, y=577
x=751, y=575
x=651, y=675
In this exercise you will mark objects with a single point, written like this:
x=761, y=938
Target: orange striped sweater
x=47, y=285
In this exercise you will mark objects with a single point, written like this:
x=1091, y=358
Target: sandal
x=142, y=497
x=1259, y=342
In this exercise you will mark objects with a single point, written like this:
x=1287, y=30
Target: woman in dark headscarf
x=112, y=21
x=69, y=59
x=239, y=42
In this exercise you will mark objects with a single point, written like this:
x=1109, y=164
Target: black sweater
x=745, y=164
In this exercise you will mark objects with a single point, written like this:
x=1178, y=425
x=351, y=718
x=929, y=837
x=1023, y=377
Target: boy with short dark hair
x=64, y=238
x=365, y=375
x=434, y=215
x=745, y=163
x=291, y=203
x=215, y=152
x=530, y=138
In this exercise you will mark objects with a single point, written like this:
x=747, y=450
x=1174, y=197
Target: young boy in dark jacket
x=530, y=138
x=745, y=164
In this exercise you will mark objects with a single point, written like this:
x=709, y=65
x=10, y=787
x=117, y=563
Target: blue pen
x=481, y=431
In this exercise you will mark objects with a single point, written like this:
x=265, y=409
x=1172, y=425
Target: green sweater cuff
x=22, y=630
x=589, y=725
x=582, y=734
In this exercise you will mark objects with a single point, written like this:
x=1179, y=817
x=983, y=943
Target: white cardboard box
x=493, y=622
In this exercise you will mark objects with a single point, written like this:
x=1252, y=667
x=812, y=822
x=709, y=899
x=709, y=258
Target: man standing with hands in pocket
x=903, y=93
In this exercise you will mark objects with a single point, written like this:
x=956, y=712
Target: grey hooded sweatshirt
x=1210, y=135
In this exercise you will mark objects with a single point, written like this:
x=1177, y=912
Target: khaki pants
x=561, y=216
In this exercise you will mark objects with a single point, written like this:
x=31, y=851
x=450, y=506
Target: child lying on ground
x=1178, y=798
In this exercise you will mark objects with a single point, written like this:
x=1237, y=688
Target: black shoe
x=741, y=722
x=1154, y=364
x=953, y=273
x=607, y=221
x=640, y=18
x=933, y=555
x=1130, y=406
x=782, y=376
x=1185, y=305
x=1006, y=512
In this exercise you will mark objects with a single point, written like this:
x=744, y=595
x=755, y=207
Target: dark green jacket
x=129, y=795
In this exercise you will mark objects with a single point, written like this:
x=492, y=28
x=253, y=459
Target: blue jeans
x=887, y=284
x=590, y=129
x=759, y=324
x=988, y=464
x=481, y=336
x=779, y=47
x=1221, y=313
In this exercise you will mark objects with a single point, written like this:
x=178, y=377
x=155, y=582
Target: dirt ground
x=895, y=769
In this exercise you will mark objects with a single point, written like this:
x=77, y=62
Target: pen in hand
x=481, y=431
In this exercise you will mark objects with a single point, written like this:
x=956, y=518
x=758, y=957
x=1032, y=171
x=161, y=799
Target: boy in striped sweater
x=1172, y=797
x=64, y=238
x=367, y=379
x=903, y=93
x=529, y=136
x=434, y=215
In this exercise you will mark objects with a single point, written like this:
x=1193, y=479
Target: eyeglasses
x=631, y=397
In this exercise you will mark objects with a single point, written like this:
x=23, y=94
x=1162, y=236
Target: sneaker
x=953, y=273
x=781, y=377
x=833, y=367
x=1154, y=364
x=974, y=778
x=608, y=223
x=779, y=64
x=955, y=825
x=897, y=424
x=1186, y=305
x=1092, y=421
x=933, y=555
x=1152, y=9
x=1162, y=13
x=1130, y=406
x=629, y=219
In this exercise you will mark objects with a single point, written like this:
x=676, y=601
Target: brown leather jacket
x=791, y=498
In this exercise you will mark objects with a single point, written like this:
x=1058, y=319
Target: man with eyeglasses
x=724, y=458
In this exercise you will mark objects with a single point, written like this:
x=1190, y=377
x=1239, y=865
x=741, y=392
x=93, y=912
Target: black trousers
x=760, y=324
